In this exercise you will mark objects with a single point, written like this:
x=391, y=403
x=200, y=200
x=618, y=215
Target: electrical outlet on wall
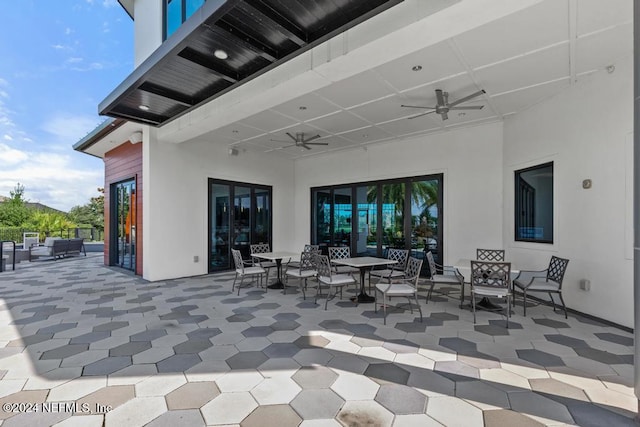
x=585, y=284
x=196, y=258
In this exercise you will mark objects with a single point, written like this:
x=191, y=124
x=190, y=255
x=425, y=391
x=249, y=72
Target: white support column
x=636, y=200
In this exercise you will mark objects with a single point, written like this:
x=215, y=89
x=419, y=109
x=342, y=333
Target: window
x=534, y=204
x=178, y=11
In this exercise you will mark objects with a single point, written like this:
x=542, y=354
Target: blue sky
x=59, y=60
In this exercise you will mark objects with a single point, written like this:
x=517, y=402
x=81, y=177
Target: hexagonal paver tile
x=551, y=323
x=384, y=373
x=311, y=341
x=247, y=360
x=149, y=335
x=315, y=377
x=234, y=381
x=229, y=408
x=110, y=326
x=558, y=389
x=400, y=399
x=107, y=365
x=364, y=413
x=192, y=395
x=90, y=337
x=192, y=346
x=130, y=348
x=458, y=344
x=242, y=317
x=281, y=350
x=276, y=390
x=355, y=387
x=401, y=346
x=451, y=411
x=204, y=333
x=64, y=351
x=482, y=394
x=178, y=363
x=565, y=340
x=257, y=331
x=272, y=416
x=317, y=403
x=532, y=403
x=457, y=371
x=615, y=338
x=493, y=330
x=313, y=356
x=444, y=316
x=184, y=417
x=57, y=328
x=539, y=357
x=285, y=325
x=286, y=316
x=411, y=326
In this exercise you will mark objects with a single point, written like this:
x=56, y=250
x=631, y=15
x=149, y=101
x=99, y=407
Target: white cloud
x=68, y=31
x=73, y=60
x=10, y=156
x=7, y=137
x=3, y=82
x=109, y=3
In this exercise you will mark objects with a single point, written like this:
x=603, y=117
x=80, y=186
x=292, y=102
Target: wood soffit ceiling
x=258, y=35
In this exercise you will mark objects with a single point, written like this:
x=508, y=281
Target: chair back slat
x=308, y=260
x=490, y=254
x=399, y=255
x=237, y=259
x=432, y=264
x=323, y=265
x=557, y=268
x=491, y=274
x=339, y=252
x=412, y=271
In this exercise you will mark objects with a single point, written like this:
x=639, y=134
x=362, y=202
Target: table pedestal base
x=486, y=304
x=363, y=298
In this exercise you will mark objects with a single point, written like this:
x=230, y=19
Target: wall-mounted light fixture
x=135, y=137
x=233, y=151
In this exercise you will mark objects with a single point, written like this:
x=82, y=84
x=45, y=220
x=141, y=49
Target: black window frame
x=519, y=202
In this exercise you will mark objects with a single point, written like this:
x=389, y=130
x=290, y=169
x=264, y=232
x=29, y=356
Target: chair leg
x=508, y=310
x=233, y=286
x=553, y=303
x=240, y=284
x=302, y=288
x=563, y=305
x=384, y=307
x=473, y=306
x=415, y=296
x=430, y=292
x=462, y=295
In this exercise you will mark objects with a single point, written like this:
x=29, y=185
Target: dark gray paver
x=400, y=399
x=107, y=366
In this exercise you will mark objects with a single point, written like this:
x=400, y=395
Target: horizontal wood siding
x=120, y=164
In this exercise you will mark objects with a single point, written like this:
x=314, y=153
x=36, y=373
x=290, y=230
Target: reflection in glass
x=321, y=217
x=342, y=217
x=424, y=217
x=262, y=214
x=367, y=211
x=124, y=230
x=393, y=196
x=534, y=204
x=242, y=220
x=220, y=210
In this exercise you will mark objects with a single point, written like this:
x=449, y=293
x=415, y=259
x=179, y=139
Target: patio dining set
x=399, y=275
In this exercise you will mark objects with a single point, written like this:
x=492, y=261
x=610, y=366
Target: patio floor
x=189, y=352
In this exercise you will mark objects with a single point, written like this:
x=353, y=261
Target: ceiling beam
x=279, y=22
x=206, y=62
x=137, y=117
x=171, y=95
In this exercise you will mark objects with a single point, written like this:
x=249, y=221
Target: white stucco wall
x=147, y=28
x=470, y=159
x=175, y=201
x=586, y=131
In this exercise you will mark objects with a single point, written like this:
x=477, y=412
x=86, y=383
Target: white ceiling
x=519, y=60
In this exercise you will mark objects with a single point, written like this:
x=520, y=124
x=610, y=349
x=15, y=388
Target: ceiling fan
x=443, y=106
x=301, y=141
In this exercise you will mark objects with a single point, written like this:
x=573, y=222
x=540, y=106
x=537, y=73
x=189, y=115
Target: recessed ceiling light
x=462, y=114
x=416, y=67
x=234, y=131
x=302, y=107
x=144, y=107
x=220, y=54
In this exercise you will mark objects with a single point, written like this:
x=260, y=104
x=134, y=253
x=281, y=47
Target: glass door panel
x=393, y=197
x=425, y=217
x=321, y=218
x=123, y=234
x=242, y=220
x=342, y=215
x=367, y=224
x=220, y=220
x=262, y=214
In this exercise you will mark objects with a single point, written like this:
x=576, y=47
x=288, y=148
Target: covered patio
x=190, y=352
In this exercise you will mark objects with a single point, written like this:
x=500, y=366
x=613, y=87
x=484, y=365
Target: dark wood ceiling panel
x=257, y=35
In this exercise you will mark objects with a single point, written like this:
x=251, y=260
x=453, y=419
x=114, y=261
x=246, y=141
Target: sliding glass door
x=239, y=215
x=122, y=250
x=371, y=217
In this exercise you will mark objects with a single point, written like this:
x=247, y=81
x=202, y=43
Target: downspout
x=636, y=202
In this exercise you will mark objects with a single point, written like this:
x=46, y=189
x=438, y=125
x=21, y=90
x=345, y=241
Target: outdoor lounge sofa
x=57, y=248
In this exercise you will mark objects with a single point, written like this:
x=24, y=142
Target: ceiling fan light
x=416, y=68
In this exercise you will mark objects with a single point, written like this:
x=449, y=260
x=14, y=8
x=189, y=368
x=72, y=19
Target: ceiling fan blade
x=317, y=143
x=305, y=146
x=417, y=106
x=310, y=139
x=440, y=97
x=420, y=115
x=470, y=107
x=292, y=137
x=445, y=116
x=278, y=140
x=466, y=98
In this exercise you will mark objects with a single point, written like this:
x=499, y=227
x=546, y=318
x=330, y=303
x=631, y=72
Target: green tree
x=90, y=214
x=49, y=223
x=14, y=211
